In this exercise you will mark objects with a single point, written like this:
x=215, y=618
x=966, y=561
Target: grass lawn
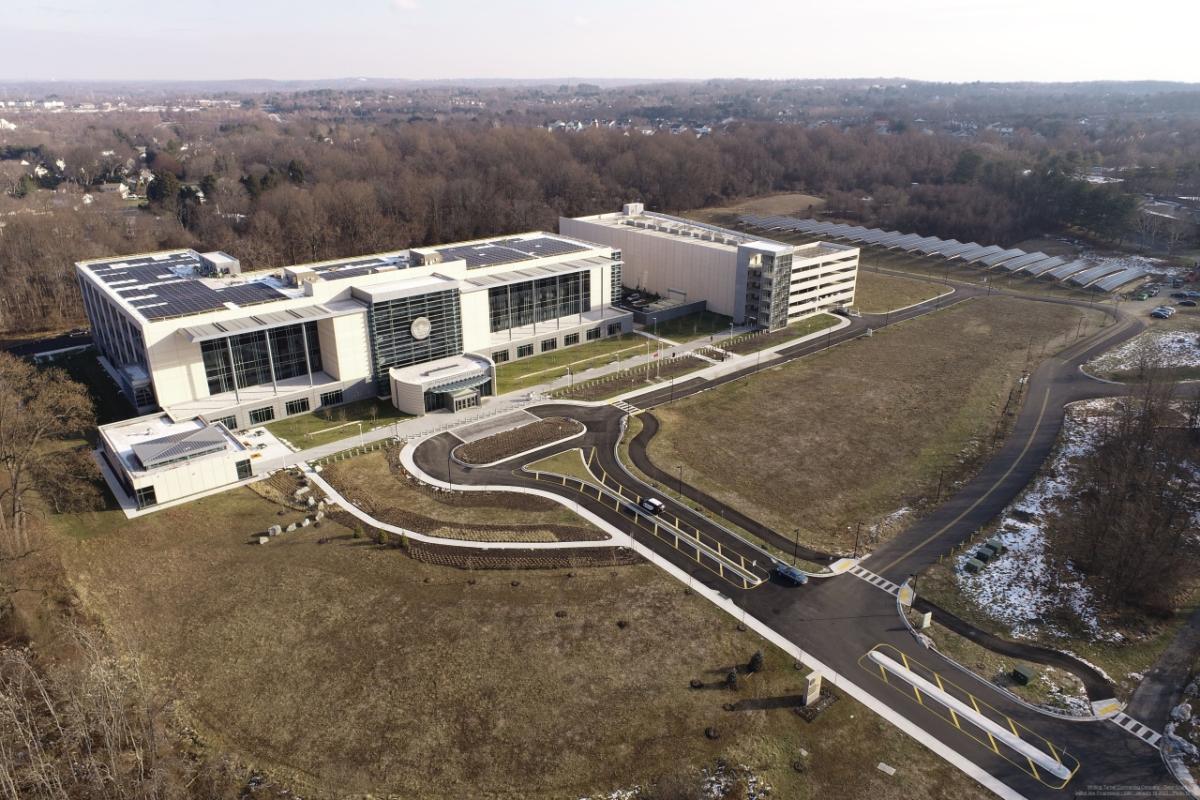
x=781, y=204
x=344, y=669
x=517, y=375
x=569, y=463
x=690, y=327
x=370, y=482
x=858, y=432
x=877, y=292
x=753, y=342
x=320, y=426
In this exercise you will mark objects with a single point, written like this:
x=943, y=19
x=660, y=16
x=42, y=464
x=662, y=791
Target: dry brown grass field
x=376, y=487
x=858, y=432
x=785, y=204
x=877, y=292
x=343, y=669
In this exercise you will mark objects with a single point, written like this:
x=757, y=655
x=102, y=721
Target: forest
x=313, y=183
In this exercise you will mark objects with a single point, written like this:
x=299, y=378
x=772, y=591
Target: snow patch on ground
x=1168, y=348
x=1022, y=587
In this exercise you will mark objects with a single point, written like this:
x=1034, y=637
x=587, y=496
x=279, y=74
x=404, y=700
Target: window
x=570, y=339
x=260, y=415
x=296, y=406
x=614, y=328
x=524, y=350
x=500, y=356
x=528, y=302
x=145, y=497
x=331, y=398
x=243, y=469
x=228, y=422
x=593, y=334
x=549, y=344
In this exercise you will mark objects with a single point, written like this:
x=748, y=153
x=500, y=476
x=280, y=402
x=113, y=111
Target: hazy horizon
x=621, y=41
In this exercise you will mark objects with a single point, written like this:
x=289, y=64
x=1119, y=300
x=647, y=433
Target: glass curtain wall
x=541, y=300
x=253, y=354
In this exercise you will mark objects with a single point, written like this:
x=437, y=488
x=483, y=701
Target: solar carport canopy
x=1027, y=260
x=1003, y=255
x=1058, y=273
x=1120, y=279
x=1044, y=266
x=972, y=252
x=1094, y=274
x=983, y=253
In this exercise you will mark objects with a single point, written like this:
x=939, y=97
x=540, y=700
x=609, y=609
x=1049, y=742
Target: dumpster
x=973, y=565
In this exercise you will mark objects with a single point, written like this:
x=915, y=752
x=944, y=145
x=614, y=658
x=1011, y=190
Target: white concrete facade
x=206, y=345
x=738, y=275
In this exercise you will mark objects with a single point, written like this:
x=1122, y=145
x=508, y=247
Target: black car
x=790, y=574
x=1188, y=303
x=1179, y=295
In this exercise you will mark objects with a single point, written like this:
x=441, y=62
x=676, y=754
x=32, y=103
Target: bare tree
x=37, y=407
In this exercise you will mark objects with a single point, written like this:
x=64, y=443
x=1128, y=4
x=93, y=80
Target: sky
x=943, y=40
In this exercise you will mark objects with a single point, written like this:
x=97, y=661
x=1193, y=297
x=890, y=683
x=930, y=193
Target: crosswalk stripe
x=1143, y=732
x=878, y=581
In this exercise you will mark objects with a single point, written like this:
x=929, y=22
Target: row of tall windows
x=248, y=359
x=539, y=300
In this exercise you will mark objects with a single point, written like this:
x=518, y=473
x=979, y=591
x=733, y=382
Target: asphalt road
x=839, y=620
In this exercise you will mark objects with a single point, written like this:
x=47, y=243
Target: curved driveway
x=839, y=620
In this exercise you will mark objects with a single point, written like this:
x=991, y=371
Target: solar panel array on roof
x=1014, y=260
x=168, y=285
x=509, y=251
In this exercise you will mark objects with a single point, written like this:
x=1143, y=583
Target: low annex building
x=190, y=339
x=754, y=281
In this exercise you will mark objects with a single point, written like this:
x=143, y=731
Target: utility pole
x=857, y=537
x=449, y=474
x=796, y=551
x=938, y=498
x=681, y=480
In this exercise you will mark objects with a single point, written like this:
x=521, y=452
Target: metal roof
x=273, y=319
x=180, y=446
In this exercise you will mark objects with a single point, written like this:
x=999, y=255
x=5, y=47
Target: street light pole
x=796, y=551
x=449, y=474
x=681, y=480
x=857, y=535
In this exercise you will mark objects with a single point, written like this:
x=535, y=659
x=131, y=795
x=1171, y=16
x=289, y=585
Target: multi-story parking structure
x=752, y=280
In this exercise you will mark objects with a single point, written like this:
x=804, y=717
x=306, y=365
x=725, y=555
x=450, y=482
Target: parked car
x=1179, y=295
x=1188, y=303
x=790, y=574
x=1163, y=312
x=1194, y=295
x=653, y=505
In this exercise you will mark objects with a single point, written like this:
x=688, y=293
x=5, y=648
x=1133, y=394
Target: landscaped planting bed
x=518, y=440
x=646, y=376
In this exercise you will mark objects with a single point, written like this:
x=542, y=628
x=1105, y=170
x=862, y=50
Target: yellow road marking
x=1028, y=443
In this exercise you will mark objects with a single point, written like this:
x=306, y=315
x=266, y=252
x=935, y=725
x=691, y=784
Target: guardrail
x=706, y=551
